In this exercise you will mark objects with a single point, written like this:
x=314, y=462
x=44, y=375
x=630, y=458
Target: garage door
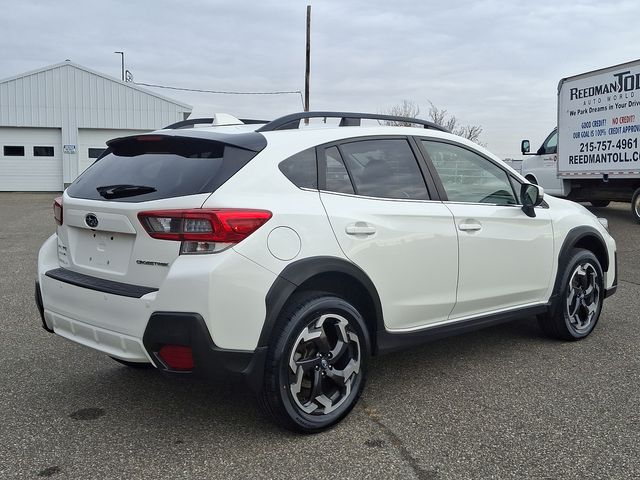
x=30, y=159
x=92, y=142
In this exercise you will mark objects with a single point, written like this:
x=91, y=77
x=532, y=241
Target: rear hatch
x=101, y=234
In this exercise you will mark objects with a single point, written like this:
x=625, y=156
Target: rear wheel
x=600, y=203
x=577, y=308
x=635, y=205
x=316, y=367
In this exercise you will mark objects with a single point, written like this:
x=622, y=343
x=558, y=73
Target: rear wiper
x=123, y=190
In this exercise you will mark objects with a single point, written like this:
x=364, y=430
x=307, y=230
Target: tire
x=136, y=365
x=575, y=312
x=316, y=364
x=635, y=205
x=531, y=179
x=600, y=203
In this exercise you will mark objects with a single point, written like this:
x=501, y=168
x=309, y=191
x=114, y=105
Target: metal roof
x=70, y=94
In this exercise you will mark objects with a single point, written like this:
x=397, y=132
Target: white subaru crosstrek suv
x=289, y=255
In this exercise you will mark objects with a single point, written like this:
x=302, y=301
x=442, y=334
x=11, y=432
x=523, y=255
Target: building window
x=43, y=151
x=11, y=151
x=96, y=152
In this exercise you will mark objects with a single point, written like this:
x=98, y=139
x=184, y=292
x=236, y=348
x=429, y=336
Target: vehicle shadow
x=179, y=405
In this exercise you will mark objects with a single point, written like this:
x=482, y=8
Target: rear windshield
x=134, y=170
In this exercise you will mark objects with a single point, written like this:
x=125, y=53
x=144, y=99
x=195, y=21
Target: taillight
x=57, y=210
x=203, y=230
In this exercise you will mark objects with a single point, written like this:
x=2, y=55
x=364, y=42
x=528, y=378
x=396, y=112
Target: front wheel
x=577, y=307
x=635, y=205
x=315, y=370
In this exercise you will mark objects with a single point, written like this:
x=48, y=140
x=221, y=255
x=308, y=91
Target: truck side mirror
x=525, y=146
x=531, y=196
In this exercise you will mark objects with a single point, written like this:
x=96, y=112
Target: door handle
x=470, y=227
x=360, y=228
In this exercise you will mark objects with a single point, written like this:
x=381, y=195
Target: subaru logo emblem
x=91, y=220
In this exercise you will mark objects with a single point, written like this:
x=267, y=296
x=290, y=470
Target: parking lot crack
x=420, y=472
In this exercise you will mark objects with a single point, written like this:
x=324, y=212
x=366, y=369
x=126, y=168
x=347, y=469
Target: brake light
x=57, y=210
x=203, y=230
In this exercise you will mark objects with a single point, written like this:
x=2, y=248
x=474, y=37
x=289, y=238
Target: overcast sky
x=490, y=63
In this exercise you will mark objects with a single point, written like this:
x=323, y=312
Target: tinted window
x=516, y=188
x=11, y=151
x=336, y=174
x=138, y=171
x=43, y=151
x=301, y=169
x=384, y=168
x=551, y=144
x=469, y=177
x=95, y=152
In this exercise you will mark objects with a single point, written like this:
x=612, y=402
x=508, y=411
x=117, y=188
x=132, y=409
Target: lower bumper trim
x=38, y=295
x=190, y=329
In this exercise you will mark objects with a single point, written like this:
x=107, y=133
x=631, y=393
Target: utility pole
x=122, y=55
x=308, y=62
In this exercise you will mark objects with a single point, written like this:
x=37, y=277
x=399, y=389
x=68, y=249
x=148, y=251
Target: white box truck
x=594, y=154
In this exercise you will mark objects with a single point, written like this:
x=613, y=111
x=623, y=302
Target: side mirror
x=525, y=147
x=531, y=196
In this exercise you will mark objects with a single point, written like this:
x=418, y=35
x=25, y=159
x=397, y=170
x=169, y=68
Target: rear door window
x=139, y=171
x=385, y=168
x=336, y=176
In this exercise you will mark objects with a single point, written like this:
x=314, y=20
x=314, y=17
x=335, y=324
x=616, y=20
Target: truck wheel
x=635, y=205
x=600, y=203
x=316, y=365
x=577, y=307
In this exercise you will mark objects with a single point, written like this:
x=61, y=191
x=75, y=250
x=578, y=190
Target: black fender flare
x=298, y=272
x=570, y=241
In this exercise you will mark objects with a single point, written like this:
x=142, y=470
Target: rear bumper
x=128, y=322
x=189, y=329
x=162, y=328
x=213, y=286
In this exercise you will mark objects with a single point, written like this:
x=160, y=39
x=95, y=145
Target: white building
x=55, y=121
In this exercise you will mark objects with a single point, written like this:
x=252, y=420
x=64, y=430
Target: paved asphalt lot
x=499, y=403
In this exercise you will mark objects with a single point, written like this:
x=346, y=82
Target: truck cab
x=540, y=167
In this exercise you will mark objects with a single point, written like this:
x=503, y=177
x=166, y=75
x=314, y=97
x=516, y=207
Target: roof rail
x=347, y=119
x=252, y=121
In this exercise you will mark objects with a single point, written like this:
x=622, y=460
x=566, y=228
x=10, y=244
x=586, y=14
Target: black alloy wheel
x=578, y=303
x=315, y=370
x=635, y=205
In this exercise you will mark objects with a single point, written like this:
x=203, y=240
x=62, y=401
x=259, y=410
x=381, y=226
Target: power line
x=223, y=92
